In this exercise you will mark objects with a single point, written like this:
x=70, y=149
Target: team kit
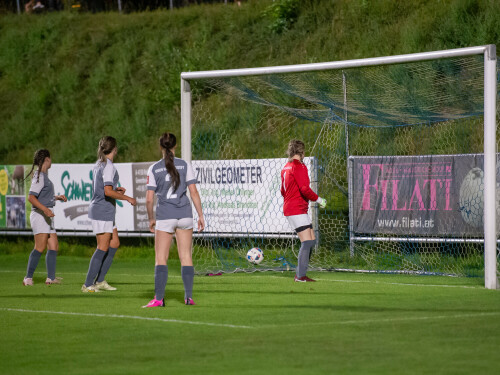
x=169, y=180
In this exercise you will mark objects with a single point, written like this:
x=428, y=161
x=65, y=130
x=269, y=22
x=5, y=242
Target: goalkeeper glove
x=321, y=202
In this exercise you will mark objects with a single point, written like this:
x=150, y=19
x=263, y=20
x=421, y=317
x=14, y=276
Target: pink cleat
x=155, y=303
x=189, y=301
x=28, y=281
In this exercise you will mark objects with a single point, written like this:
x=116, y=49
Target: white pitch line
x=387, y=320
x=126, y=317
x=406, y=284
x=346, y=322
x=280, y=277
x=384, y=283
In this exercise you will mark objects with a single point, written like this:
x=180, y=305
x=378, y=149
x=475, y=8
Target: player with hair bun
x=42, y=198
x=297, y=193
x=102, y=211
x=169, y=179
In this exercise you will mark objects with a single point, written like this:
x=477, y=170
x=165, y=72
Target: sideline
x=126, y=317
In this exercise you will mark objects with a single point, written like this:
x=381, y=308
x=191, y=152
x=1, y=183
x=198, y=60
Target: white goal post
x=490, y=97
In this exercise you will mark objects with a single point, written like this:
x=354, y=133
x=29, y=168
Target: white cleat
x=103, y=285
x=89, y=289
x=28, y=281
x=57, y=280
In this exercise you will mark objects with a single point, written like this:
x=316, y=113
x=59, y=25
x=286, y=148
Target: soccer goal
x=402, y=147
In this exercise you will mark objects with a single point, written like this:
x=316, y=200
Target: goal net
x=397, y=149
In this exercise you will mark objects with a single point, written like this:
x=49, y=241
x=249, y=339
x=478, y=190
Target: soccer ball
x=255, y=255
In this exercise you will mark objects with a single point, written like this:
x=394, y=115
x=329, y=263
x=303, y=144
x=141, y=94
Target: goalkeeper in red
x=297, y=193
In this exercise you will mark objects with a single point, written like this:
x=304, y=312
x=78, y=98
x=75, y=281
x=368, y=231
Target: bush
x=283, y=14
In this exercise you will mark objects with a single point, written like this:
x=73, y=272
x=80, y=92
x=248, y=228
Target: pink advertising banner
x=418, y=195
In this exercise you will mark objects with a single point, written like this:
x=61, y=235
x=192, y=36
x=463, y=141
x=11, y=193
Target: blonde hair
x=295, y=147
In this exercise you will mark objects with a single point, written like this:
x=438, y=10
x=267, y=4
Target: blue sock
x=94, y=266
x=50, y=262
x=32, y=263
x=161, y=277
x=106, y=264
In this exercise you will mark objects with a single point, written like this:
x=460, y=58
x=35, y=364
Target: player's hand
x=48, y=212
x=321, y=202
x=120, y=190
x=132, y=201
x=61, y=198
x=201, y=224
x=152, y=226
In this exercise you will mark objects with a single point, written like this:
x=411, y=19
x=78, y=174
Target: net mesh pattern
x=415, y=109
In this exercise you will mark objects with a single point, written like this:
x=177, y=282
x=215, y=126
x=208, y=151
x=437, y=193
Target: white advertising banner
x=243, y=196
x=239, y=197
x=75, y=181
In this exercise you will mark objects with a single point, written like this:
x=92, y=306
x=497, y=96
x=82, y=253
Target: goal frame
x=489, y=126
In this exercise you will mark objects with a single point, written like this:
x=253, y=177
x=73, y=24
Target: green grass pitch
x=260, y=323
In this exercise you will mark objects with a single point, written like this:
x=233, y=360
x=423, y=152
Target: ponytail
x=106, y=146
x=167, y=143
x=38, y=159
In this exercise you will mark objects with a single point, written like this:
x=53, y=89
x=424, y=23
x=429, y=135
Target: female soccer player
x=42, y=198
x=297, y=194
x=102, y=210
x=170, y=178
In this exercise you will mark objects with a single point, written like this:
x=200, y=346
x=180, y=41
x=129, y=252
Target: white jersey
x=171, y=204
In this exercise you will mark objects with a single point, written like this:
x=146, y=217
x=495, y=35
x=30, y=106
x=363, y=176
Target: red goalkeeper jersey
x=295, y=188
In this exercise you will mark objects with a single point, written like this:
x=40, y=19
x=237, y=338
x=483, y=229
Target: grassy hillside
x=67, y=79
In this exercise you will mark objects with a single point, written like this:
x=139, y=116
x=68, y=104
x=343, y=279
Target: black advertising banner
x=418, y=195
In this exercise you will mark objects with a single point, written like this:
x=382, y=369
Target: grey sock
x=303, y=259
x=187, y=273
x=106, y=264
x=50, y=262
x=32, y=263
x=94, y=266
x=161, y=277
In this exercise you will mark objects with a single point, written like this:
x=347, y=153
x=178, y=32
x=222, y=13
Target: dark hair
x=167, y=142
x=106, y=145
x=295, y=147
x=38, y=159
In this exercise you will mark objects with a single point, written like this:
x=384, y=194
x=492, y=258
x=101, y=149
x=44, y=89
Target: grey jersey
x=171, y=204
x=102, y=207
x=43, y=189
